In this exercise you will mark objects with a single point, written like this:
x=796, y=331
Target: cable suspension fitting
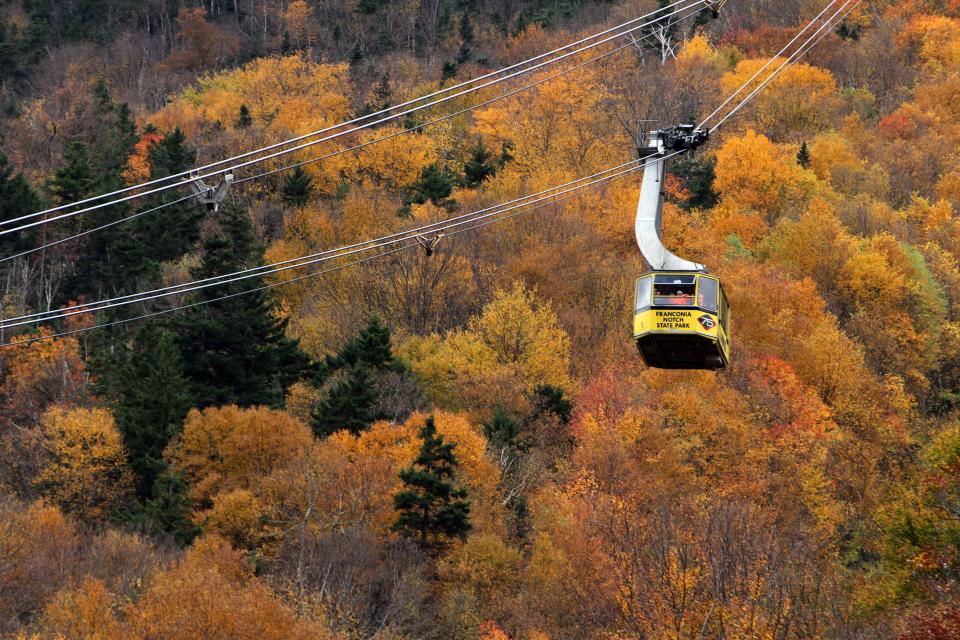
x=210, y=196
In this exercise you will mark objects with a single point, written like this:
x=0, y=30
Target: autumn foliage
x=811, y=490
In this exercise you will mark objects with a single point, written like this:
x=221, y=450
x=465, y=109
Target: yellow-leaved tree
x=756, y=175
x=797, y=105
x=86, y=469
x=227, y=448
x=515, y=345
x=212, y=593
x=85, y=611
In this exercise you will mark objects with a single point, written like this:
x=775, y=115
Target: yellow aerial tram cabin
x=681, y=320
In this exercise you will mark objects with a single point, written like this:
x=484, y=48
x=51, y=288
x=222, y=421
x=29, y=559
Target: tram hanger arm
x=650, y=212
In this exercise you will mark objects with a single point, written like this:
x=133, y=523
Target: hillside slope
x=272, y=459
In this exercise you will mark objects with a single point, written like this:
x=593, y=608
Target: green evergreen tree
x=112, y=142
x=16, y=195
x=105, y=263
x=697, y=176
x=245, y=119
x=505, y=155
x=382, y=94
x=74, y=179
x=12, y=56
x=368, y=7
x=448, y=71
x=129, y=256
x=168, y=512
x=297, y=188
x=169, y=233
x=235, y=350
x=549, y=398
x=803, y=156
x=503, y=430
x=16, y=199
x=433, y=184
x=372, y=346
x=466, y=39
x=151, y=397
x=432, y=510
x=171, y=155
x=351, y=403
x=356, y=55
x=480, y=166
x=348, y=405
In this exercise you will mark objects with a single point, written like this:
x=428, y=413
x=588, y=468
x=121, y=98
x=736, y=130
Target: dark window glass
x=707, y=294
x=674, y=290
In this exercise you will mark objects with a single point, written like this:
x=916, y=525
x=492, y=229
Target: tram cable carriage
x=681, y=316
x=681, y=321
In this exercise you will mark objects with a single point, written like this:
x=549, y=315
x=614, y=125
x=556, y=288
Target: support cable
x=194, y=175
x=272, y=285
x=466, y=219
x=367, y=245
x=766, y=64
x=364, y=144
x=815, y=37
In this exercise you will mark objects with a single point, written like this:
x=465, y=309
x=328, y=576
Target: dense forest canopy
x=464, y=443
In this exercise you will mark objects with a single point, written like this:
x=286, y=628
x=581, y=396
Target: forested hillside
x=463, y=442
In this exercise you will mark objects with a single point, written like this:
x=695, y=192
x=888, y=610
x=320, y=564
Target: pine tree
x=480, y=166
x=129, y=256
x=466, y=39
x=368, y=7
x=171, y=155
x=432, y=509
x=245, y=119
x=348, y=405
x=356, y=55
x=16, y=198
x=803, y=156
x=12, y=58
x=297, y=188
x=448, y=71
x=168, y=512
x=109, y=260
x=151, y=397
x=503, y=429
x=549, y=398
x=351, y=402
x=697, y=177
x=434, y=184
x=74, y=179
x=372, y=346
x=235, y=350
x=113, y=141
x=169, y=233
x=382, y=92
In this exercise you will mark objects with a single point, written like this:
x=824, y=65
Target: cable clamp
x=429, y=243
x=715, y=6
x=207, y=195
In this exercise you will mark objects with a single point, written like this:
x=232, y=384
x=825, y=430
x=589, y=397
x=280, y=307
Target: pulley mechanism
x=207, y=195
x=679, y=137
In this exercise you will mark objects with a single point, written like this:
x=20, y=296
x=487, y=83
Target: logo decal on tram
x=706, y=322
